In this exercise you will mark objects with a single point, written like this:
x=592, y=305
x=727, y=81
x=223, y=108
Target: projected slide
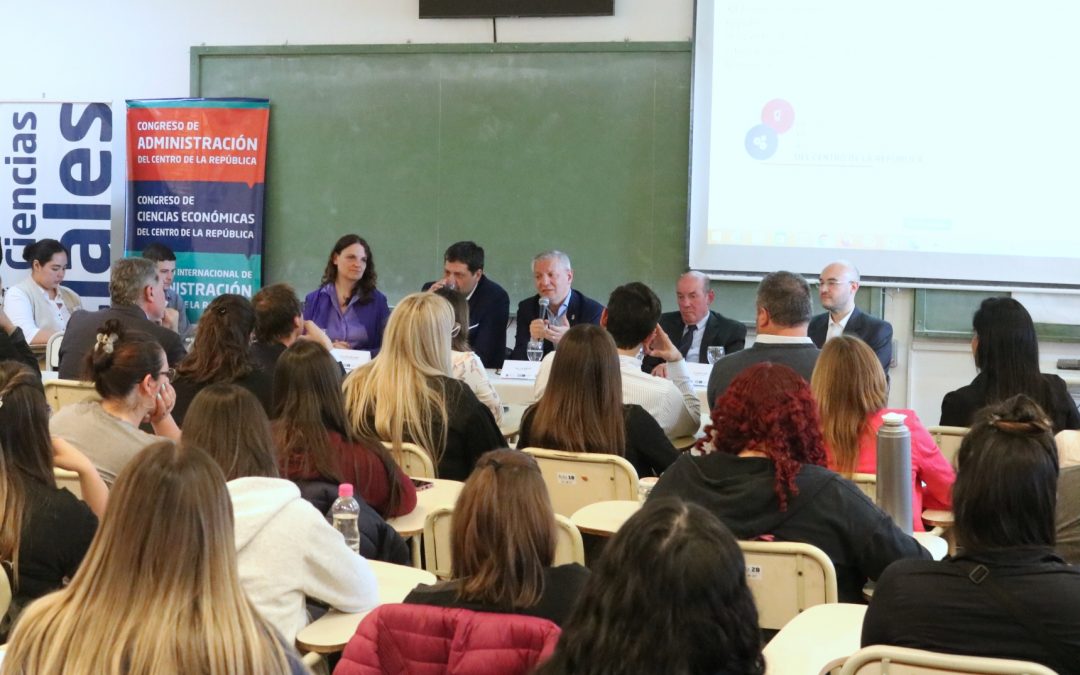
x=924, y=140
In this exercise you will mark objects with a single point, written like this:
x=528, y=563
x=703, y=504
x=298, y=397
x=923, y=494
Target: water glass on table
x=714, y=354
x=534, y=350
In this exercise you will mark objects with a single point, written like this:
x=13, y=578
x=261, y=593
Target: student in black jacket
x=764, y=475
x=1006, y=594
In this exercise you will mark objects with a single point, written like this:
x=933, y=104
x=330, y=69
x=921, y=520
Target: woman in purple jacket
x=347, y=305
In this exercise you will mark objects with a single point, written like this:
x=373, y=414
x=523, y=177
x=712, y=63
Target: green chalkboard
x=522, y=148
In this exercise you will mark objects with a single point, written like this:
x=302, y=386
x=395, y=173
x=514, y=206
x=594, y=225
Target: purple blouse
x=361, y=326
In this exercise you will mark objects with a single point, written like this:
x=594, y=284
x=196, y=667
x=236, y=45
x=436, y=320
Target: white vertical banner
x=56, y=182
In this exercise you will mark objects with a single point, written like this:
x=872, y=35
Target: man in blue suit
x=566, y=307
x=489, y=304
x=837, y=286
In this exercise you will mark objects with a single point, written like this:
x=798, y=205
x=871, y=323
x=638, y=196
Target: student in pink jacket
x=850, y=387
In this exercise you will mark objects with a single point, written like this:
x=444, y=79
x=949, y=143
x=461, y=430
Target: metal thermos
x=894, y=470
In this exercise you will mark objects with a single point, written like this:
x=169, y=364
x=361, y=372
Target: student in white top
x=631, y=318
x=285, y=549
x=466, y=363
x=38, y=304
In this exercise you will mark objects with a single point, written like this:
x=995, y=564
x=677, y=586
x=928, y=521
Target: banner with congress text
x=56, y=182
x=196, y=182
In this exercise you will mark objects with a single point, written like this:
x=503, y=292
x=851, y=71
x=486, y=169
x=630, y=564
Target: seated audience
x=222, y=353
x=38, y=304
x=467, y=365
x=630, y=319
x=764, y=475
x=138, y=303
x=278, y=324
x=668, y=595
x=285, y=549
x=1005, y=594
x=565, y=307
x=44, y=531
x=837, y=285
x=489, y=304
x=1067, y=518
x=407, y=395
x=158, y=591
x=1006, y=353
x=502, y=545
x=347, y=306
x=851, y=393
x=783, y=313
x=582, y=408
x=129, y=372
x=694, y=327
x=314, y=438
x=13, y=346
x=176, y=311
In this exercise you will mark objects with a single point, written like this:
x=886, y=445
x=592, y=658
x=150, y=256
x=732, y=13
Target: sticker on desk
x=566, y=478
x=699, y=373
x=753, y=571
x=519, y=370
x=351, y=359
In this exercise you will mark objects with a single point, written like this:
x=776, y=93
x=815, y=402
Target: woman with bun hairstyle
x=502, y=545
x=668, y=595
x=347, y=305
x=38, y=304
x=1005, y=594
x=159, y=590
x=222, y=353
x=314, y=438
x=130, y=373
x=852, y=394
x=44, y=531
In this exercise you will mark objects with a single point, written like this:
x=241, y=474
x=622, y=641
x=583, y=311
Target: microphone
x=544, y=304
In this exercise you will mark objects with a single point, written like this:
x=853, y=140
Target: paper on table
x=520, y=370
x=351, y=358
x=699, y=373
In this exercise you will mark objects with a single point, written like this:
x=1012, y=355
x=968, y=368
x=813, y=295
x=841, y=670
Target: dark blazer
x=958, y=408
x=872, y=331
x=580, y=310
x=81, y=334
x=720, y=331
x=489, y=312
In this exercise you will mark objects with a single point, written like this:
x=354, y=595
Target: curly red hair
x=769, y=408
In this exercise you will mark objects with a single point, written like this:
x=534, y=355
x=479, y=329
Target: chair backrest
x=413, y=460
x=577, y=479
x=60, y=393
x=569, y=547
x=68, y=479
x=948, y=440
x=867, y=482
x=886, y=660
x=52, y=351
x=787, y=578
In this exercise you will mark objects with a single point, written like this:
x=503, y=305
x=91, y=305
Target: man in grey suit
x=783, y=314
x=694, y=327
x=837, y=286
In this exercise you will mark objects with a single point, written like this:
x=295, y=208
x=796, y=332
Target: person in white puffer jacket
x=286, y=550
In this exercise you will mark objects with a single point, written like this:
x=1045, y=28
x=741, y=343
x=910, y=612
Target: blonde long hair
x=400, y=396
x=849, y=385
x=159, y=590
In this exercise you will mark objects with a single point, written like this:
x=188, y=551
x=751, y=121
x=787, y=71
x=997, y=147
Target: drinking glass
x=534, y=350
x=715, y=354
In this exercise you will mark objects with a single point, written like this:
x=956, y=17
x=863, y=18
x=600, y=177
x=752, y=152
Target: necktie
x=687, y=339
